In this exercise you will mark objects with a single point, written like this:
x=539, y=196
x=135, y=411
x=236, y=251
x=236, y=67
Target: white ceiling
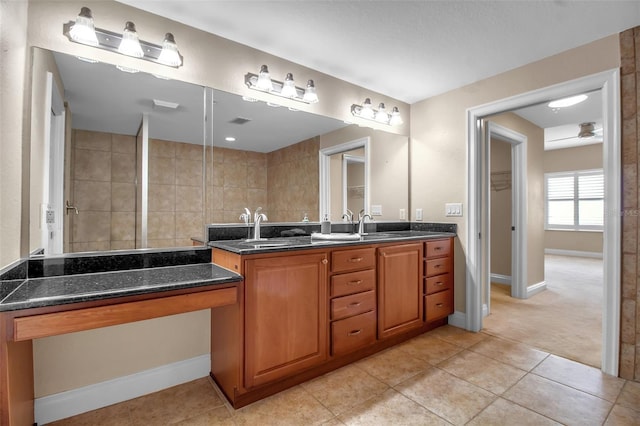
x=409, y=50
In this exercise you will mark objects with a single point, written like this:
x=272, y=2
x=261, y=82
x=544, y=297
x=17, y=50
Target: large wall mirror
x=132, y=160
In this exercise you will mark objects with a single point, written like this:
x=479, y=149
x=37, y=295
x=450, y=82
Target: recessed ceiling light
x=567, y=102
x=230, y=139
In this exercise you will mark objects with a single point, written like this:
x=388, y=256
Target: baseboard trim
x=458, y=319
x=76, y=401
x=576, y=253
x=534, y=289
x=500, y=279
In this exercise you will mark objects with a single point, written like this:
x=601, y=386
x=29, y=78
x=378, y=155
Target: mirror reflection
x=133, y=160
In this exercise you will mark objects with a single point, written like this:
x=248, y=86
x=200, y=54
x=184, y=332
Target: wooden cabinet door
x=286, y=316
x=400, y=303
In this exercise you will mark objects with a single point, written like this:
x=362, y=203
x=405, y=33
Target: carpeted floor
x=565, y=319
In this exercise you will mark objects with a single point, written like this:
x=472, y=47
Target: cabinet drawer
x=353, y=260
x=347, y=306
x=438, y=248
x=438, y=283
x=353, y=333
x=439, y=305
x=438, y=266
x=353, y=282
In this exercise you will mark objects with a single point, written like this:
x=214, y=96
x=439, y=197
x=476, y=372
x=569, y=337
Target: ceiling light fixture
x=380, y=115
x=567, y=102
x=83, y=31
x=286, y=89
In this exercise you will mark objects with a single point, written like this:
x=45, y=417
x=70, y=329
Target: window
x=574, y=200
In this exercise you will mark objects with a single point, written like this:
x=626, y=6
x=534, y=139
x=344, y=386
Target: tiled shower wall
x=630, y=319
x=103, y=185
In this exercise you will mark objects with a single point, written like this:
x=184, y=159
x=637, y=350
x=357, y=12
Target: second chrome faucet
x=258, y=218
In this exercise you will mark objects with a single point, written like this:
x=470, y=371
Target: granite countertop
x=60, y=290
x=307, y=242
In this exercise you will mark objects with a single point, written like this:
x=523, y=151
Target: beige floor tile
x=622, y=416
x=393, y=366
x=482, y=371
x=503, y=412
x=558, y=402
x=175, y=404
x=113, y=415
x=390, y=408
x=451, y=398
x=345, y=388
x=579, y=376
x=630, y=396
x=457, y=336
x=509, y=352
x=333, y=422
x=219, y=416
x=293, y=406
x=430, y=349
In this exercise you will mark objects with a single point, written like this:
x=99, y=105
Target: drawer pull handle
x=437, y=265
x=354, y=304
x=438, y=248
x=439, y=305
x=354, y=332
x=439, y=283
x=356, y=282
x=355, y=259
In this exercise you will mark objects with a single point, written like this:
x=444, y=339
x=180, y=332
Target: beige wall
x=568, y=159
x=438, y=133
x=14, y=133
x=501, y=197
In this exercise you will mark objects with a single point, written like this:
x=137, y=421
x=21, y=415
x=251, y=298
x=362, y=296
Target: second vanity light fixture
x=379, y=115
x=83, y=31
x=286, y=89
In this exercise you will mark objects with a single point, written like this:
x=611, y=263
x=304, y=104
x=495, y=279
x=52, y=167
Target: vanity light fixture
x=83, y=31
x=286, y=89
x=379, y=115
x=566, y=102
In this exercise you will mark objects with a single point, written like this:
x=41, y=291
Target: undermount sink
x=336, y=236
x=264, y=243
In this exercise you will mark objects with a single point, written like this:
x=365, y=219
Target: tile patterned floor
x=445, y=377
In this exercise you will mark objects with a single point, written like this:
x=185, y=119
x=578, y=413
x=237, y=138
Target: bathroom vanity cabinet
x=302, y=313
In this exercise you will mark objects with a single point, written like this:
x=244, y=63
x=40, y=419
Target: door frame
x=519, y=205
x=609, y=83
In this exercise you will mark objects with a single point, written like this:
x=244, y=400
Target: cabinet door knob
x=325, y=261
x=354, y=332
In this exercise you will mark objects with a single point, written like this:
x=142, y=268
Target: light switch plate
x=453, y=209
x=418, y=214
x=403, y=214
x=376, y=210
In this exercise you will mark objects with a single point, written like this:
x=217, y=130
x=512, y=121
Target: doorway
x=608, y=82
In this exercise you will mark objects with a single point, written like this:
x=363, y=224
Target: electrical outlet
x=453, y=209
x=50, y=217
x=418, y=214
x=376, y=210
x=403, y=214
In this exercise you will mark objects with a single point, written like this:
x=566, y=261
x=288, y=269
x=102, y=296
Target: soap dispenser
x=325, y=225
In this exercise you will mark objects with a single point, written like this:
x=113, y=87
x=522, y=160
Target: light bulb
x=288, y=87
x=169, y=54
x=83, y=30
x=264, y=79
x=395, y=119
x=381, y=114
x=367, y=110
x=130, y=45
x=310, y=94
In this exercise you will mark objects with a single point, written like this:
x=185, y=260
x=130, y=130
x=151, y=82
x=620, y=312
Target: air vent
x=240, y=120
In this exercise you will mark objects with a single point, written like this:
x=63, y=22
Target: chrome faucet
x=348, y=215
x=257, y=220
x=246, y=218
x=361, y=217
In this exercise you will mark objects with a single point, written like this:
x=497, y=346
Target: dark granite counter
x=307, y=242
x=64, y=289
